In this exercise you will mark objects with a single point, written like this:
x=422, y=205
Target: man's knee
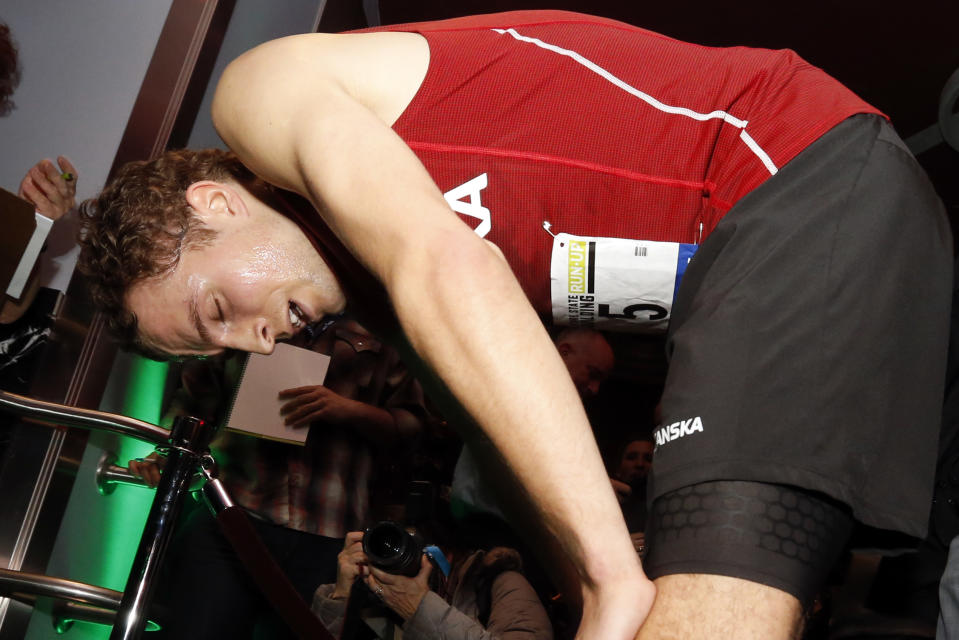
x=700, y=606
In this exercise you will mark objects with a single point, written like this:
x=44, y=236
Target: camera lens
x=393, y=549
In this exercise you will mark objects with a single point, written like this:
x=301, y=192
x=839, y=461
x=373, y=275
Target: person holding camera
x=629, y=480
x=485, y=596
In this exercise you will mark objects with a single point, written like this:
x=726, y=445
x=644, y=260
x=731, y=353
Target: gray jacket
x=516, y=612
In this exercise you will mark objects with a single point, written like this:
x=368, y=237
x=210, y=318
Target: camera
x=389, y=546
x=393, y=549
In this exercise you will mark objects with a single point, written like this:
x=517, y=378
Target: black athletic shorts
x=780, y=536
x=808, y=340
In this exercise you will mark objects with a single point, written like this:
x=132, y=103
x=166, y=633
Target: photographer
x=629, y=479
x=485, y=597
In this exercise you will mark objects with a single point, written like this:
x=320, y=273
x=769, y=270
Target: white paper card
x=30, y=255
x=256, y=407
x=615, y=284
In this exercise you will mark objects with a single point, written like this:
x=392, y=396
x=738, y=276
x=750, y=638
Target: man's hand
x=401, y=594
x=51, y=191
x=622, y=490
x=351, y=562
x=148, y=468
x=616, y=610
x=309, y=404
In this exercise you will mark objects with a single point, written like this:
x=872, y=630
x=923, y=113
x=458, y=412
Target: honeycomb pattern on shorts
x=775, y=518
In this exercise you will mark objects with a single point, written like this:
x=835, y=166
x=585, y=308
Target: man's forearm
x=492, y=352
x=383, y=427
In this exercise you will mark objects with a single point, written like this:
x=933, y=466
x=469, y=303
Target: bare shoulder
x=382, y=70
x=308, y=113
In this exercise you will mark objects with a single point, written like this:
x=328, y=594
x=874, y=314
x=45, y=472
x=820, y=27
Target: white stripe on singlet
x=653, y=102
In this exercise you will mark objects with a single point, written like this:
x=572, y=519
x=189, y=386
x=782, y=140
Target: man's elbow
x=446, y=258
x=408, y=425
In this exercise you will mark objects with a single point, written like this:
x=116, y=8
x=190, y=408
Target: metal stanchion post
x=189, y=439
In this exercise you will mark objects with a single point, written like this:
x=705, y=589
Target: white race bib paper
x=614, y=284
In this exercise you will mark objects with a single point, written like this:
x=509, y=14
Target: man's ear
x=564, y=348
x=210, y=199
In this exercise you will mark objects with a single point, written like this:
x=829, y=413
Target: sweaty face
x=259, y=281
x=636, y=461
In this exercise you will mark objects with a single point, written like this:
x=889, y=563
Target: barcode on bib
x=640, y=251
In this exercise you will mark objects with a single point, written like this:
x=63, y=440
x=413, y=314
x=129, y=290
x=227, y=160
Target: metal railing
x=72, y=601
x=54, y=414
x=186, y=448
x=186, y=445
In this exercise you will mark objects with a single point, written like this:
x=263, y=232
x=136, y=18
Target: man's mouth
x=297, y=317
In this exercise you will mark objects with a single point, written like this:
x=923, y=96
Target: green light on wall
x=110, y=527
x=129, y=505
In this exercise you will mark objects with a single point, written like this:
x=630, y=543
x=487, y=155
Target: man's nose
x=256, y=337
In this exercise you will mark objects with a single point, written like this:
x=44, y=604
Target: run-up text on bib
x=613, y=284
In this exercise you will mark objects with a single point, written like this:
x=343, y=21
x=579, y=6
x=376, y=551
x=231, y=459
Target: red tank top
x=603, y=129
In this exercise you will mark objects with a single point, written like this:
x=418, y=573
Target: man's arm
x=300, y=113
x=52, y=191
x=379, y=426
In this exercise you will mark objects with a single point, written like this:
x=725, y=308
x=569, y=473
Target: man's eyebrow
x=198, y=321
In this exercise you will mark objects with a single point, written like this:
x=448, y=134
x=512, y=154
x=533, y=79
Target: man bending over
x=808, y=330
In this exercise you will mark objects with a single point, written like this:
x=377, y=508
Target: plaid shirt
x=322, y=487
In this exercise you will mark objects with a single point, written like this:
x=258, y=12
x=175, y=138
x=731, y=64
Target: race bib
x=613, y=284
